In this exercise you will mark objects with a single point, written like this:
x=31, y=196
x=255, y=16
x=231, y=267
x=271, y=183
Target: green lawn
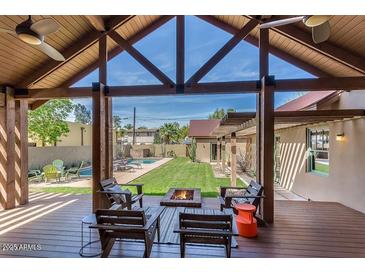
x=181, y=172
x=322, y=168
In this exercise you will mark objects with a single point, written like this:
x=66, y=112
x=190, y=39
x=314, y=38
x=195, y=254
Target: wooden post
x=7, y=144
x=218, y=152
x=180, y=53
x=103, y=75
x=233, y=160
x=21, y=149
x=224, y=155
x=98, y=144
x=267, y=151
x=264, y=71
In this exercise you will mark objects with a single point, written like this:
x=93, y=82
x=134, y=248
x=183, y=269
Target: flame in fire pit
x=182, y=195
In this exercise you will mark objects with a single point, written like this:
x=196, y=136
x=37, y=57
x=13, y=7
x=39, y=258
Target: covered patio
x=29, y=79
x=301, y=229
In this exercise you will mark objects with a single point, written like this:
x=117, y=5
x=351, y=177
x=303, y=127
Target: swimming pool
x=87, y=171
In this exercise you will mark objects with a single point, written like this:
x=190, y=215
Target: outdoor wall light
x=340, y=137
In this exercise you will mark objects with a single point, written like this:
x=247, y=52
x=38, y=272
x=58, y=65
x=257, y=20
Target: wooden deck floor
x=301, y=229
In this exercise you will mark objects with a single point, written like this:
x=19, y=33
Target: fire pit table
x=184, y=197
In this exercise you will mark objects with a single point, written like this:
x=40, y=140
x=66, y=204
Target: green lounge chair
x=74, y=171
x=51, y=172
x=35, y=175
x=59, y=165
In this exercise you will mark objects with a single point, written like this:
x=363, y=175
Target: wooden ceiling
x=25, y=66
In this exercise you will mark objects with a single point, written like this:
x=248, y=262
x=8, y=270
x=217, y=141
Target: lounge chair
x=117, y=195
x=205, y=229
x=35, y=175
x=50, y=172
x=230, y=196
x=59, y=165
x=74, y=171
x=127, y=224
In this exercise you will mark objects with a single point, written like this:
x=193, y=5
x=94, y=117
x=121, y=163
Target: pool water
x=87, y=171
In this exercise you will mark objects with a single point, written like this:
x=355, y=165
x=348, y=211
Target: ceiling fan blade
x=51, y=51
x=321, y=33
x=281, y=22
x=7, y=31
x=45, y=26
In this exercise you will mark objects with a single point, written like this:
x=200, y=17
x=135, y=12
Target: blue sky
x=202, y=41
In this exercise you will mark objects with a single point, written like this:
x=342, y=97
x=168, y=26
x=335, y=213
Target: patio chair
x=74, y=171
x=230, y=196
x=127, y=224
x=117, y=195
x=51, y=172
x=59, y=165
x=35, y=175
x=205, y=229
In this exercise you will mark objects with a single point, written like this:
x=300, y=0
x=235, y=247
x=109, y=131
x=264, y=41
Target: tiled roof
x=202, y=128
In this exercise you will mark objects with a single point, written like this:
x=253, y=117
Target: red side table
x=246, y=222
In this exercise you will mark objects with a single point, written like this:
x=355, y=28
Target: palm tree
x=169, y=132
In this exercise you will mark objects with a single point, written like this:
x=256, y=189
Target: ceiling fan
x=321, y=29
x=33, y=33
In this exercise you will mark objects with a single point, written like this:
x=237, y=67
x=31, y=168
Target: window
x=318, y=150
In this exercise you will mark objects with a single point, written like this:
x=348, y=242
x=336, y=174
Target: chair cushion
x=118, y=198
x=235, y=192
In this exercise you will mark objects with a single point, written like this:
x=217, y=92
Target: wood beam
x=241, y=34
x=180, y=52
x=69, y=53
x=321, y=84
x=263, y=72
x=7, y=149
x=233, y=160
x=98, y=144
x=140, y=58
x=53, y=93
x=97, y=22
x=330, y=50
x=223, y=87
x=273, y=50
x=103, y=76
x=142, y=90
x=135, y=38
x=21, y=152
x=267, y=151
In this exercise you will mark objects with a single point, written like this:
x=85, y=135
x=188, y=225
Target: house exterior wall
x=73, y=138
x=344, y=182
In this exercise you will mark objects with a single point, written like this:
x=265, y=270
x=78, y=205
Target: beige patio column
x=223, y=154
x=7, y=144
x=218, y=152
x=233, y=160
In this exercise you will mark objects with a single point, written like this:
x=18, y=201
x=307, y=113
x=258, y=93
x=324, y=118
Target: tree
x=47, y=123
x=142, y=127
x=184, y=132
x=117, y=125
x=128, y=126
x=169, y=132
x=82, y=114
x=220, y=113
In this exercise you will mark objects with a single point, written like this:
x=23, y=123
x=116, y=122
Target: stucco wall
x=157, y=150
x=345, y=183
x=41, y=156
x=73, y=138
